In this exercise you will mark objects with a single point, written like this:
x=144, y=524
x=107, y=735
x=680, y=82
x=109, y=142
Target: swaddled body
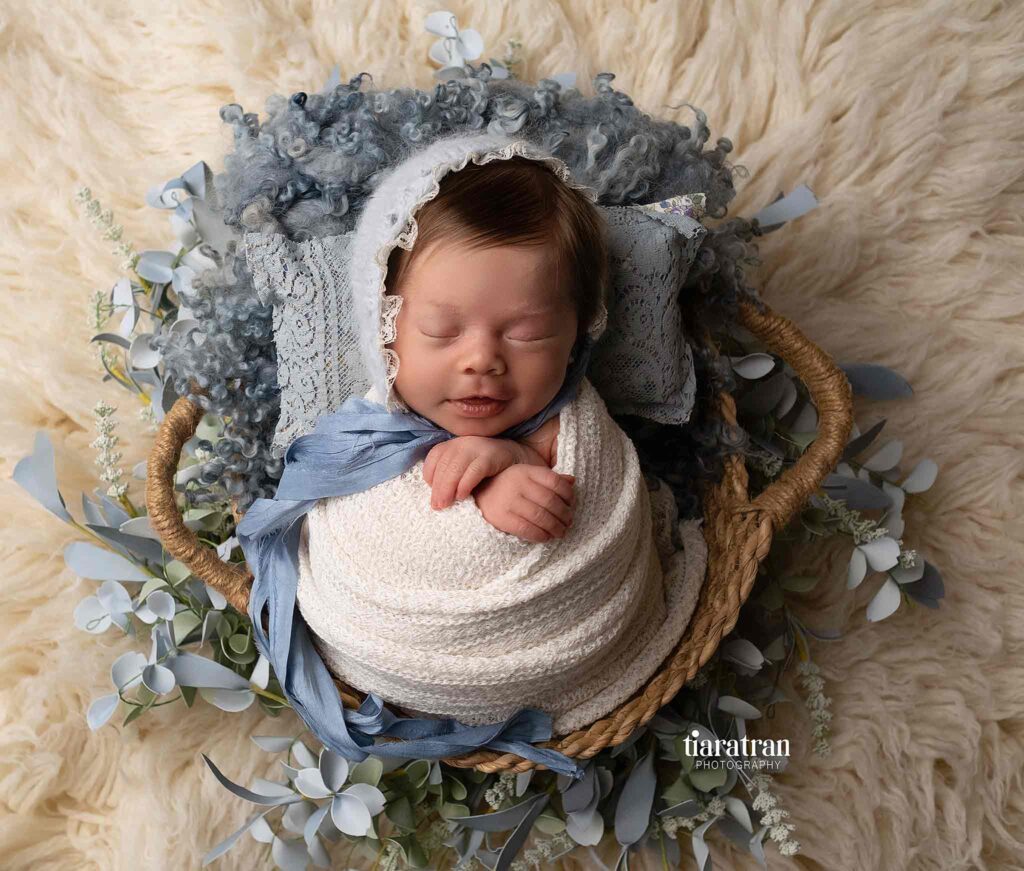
x=443, y=614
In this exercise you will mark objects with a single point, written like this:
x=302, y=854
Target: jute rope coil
x=738, y=531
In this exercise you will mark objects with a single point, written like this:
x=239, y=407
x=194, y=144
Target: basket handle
x=178, y=426
x=830, y=390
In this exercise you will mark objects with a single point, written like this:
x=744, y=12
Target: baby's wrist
x=528, y=455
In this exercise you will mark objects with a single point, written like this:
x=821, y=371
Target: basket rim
x=738, y=531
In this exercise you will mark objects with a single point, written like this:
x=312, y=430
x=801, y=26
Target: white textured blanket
x=444, y=615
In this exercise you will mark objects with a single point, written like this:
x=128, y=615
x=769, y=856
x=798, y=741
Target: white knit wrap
x=444, y=615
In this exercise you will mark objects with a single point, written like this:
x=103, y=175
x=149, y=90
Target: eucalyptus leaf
x=862, y=442
x=857, y=494
x=290, y=855
x=881, y=553
x=921, y=477
x=101, y=710
x=700, y=849
x=502, y=820
x=929, y=589
x=753, y=366
x=230, y=841
x=633, y=810
x=89, y=561
x=885, y=602
x=36, y=474
x=518, y=837
x=886, y=457
x=738, y=708
x=875, y=381
x=247, y=794
x=198, y=671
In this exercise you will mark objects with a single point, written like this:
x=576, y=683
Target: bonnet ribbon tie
x=348, y=451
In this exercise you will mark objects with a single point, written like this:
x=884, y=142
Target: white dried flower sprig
x=862, y=529
x=108, y=458
x=541, y=855
x=504, y=787
x=818, y=704
x=766, y=803
x=714, y=808
x=104, y=221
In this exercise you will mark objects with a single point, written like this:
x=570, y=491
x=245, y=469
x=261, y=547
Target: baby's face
x=482, y=322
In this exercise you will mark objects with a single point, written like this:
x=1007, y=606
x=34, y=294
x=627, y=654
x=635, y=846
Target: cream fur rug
x=906, y=119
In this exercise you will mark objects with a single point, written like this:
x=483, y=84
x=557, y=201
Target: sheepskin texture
x=907, y=121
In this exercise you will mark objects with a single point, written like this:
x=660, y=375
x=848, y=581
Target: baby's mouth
x=479, y=406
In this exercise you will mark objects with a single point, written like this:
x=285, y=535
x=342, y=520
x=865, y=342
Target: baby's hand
x=455, y=467
x=533, y=502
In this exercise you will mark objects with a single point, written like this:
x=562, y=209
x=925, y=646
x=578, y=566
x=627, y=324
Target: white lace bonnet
x=388, y=220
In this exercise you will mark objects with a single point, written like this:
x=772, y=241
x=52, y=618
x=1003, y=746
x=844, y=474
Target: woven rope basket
x=738, y=532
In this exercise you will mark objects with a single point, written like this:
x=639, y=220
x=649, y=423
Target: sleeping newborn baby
x=496, y=572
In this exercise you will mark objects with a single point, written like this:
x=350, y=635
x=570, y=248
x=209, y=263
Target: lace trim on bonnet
x=453, y=154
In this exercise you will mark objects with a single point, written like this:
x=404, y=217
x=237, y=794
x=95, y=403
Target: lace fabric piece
x=643, y=364
x=318, y=361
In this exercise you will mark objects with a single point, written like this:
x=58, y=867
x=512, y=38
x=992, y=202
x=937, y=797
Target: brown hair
x=518, y=201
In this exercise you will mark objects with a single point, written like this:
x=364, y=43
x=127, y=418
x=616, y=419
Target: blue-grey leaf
x=91, y=616
x=885, y=602
x=290, y=855
x=142, y=354
x=633, y=810
x=126, y=670
x=229, y=842
x=806, y=420
x=313, y=824
x=272, y=743
x=857, y=494
x=753, y=366
x=232, y=701
x=761, y=398
x=101, y=710
x=198, y=671
x=37, y=475
x=921, y=477
x=929, y=589
x=882, y=553
x=886, y=457
x=350, y=815
x=247, y=794
x=113, y=338
x=579, y=795
x=585, y=827
x=515, y=841
x=861, y=442
x=876, y=381
x=92, y=512
x=148, y=549
x=738, y=708
x=700, y=850
x=113, y=511
x=89, y=561
x=154, y=265
x=334, y=768
x=296, y=815
x=158, y=679
x=499, y=821
x=743, y=652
